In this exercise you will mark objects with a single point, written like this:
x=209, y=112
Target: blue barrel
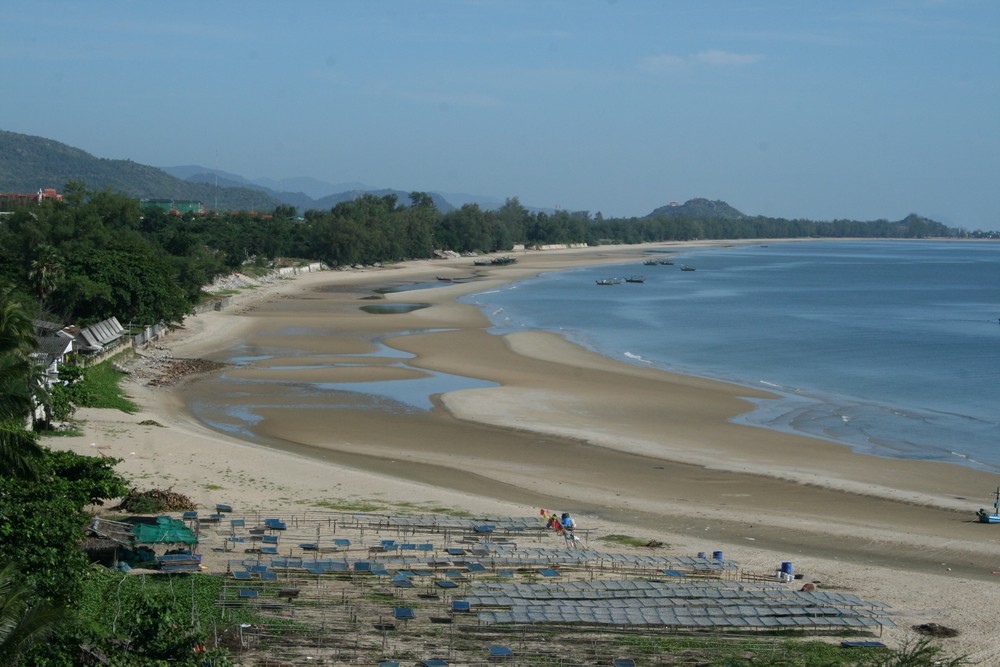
x=786, y=568
x=717, y=555
x=701, y=554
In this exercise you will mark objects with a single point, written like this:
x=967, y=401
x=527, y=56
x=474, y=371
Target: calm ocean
x=892, y=347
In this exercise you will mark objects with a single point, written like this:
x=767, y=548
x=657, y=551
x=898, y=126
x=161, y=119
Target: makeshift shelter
x=135, y=539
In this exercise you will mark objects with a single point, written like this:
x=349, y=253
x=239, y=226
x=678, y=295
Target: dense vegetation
x=98, y=254
x=52, y=602
x=45, y=575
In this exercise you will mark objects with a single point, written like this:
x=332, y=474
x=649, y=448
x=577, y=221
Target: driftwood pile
x=155, y=501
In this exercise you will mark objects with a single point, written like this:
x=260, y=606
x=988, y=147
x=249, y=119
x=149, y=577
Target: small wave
x=636, y=357
x=975, y=463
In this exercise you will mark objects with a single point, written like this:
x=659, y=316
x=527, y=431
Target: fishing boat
x=650, y=262
x=685, y=267
x=985, y=517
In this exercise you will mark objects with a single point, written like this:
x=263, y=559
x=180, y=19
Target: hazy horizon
x=861, y=110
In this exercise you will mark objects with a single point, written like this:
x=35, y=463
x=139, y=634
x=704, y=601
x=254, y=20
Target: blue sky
x=823, y=110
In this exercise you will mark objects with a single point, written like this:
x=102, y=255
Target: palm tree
x=23, y=620
x=19, y=448
x=45, y=272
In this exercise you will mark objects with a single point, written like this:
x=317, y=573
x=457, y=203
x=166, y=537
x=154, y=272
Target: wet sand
x=630, y=449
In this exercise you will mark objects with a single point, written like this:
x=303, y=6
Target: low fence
x=154, y=332
x=296, y=270
x=149, y=334
x=224, y=302
x=121, y=346
x=215, y=304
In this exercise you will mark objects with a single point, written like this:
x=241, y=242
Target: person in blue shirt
x=568, y=526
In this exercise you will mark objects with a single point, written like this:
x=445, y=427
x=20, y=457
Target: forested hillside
x=303, y=202
x=698, y=208
x=28, y=163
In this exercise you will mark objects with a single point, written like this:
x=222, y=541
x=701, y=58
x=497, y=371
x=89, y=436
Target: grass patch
x=403, y=507
x=428, y=508
x=356, y=505
x=71, y=431
x=447, y=511
x=98, y=388
x=108, y=597
x=256, y=271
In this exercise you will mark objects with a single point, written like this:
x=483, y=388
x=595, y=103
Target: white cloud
x=668, y=62
x=725, y=58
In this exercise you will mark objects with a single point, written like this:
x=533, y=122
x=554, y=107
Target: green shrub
x=92, y=387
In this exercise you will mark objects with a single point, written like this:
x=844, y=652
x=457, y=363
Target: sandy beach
x=631, y=450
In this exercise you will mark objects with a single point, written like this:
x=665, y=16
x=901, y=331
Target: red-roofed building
x=28, y=198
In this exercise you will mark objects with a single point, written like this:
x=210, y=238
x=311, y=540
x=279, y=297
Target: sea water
x=892, y=347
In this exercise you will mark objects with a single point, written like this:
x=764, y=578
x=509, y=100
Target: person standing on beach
x=568, y=528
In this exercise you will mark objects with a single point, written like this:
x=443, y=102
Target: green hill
x=699, y=208
x=28, y=163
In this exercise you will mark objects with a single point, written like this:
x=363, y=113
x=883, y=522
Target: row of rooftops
x=56, y=340
x=43, y=194
x=47, y=194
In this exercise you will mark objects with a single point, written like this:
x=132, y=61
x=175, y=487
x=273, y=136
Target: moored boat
x=635, y=279
x=985, y=517
x=609, y=281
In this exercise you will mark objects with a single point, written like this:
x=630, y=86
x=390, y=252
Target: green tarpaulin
x=166, y=531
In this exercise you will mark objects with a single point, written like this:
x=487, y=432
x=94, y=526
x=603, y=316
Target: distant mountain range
x=320, y=196
x=306, y=193
x=28, y=163
x=310, y=186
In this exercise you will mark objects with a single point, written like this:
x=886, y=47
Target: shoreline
x=816, y=404
x=662, y=458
